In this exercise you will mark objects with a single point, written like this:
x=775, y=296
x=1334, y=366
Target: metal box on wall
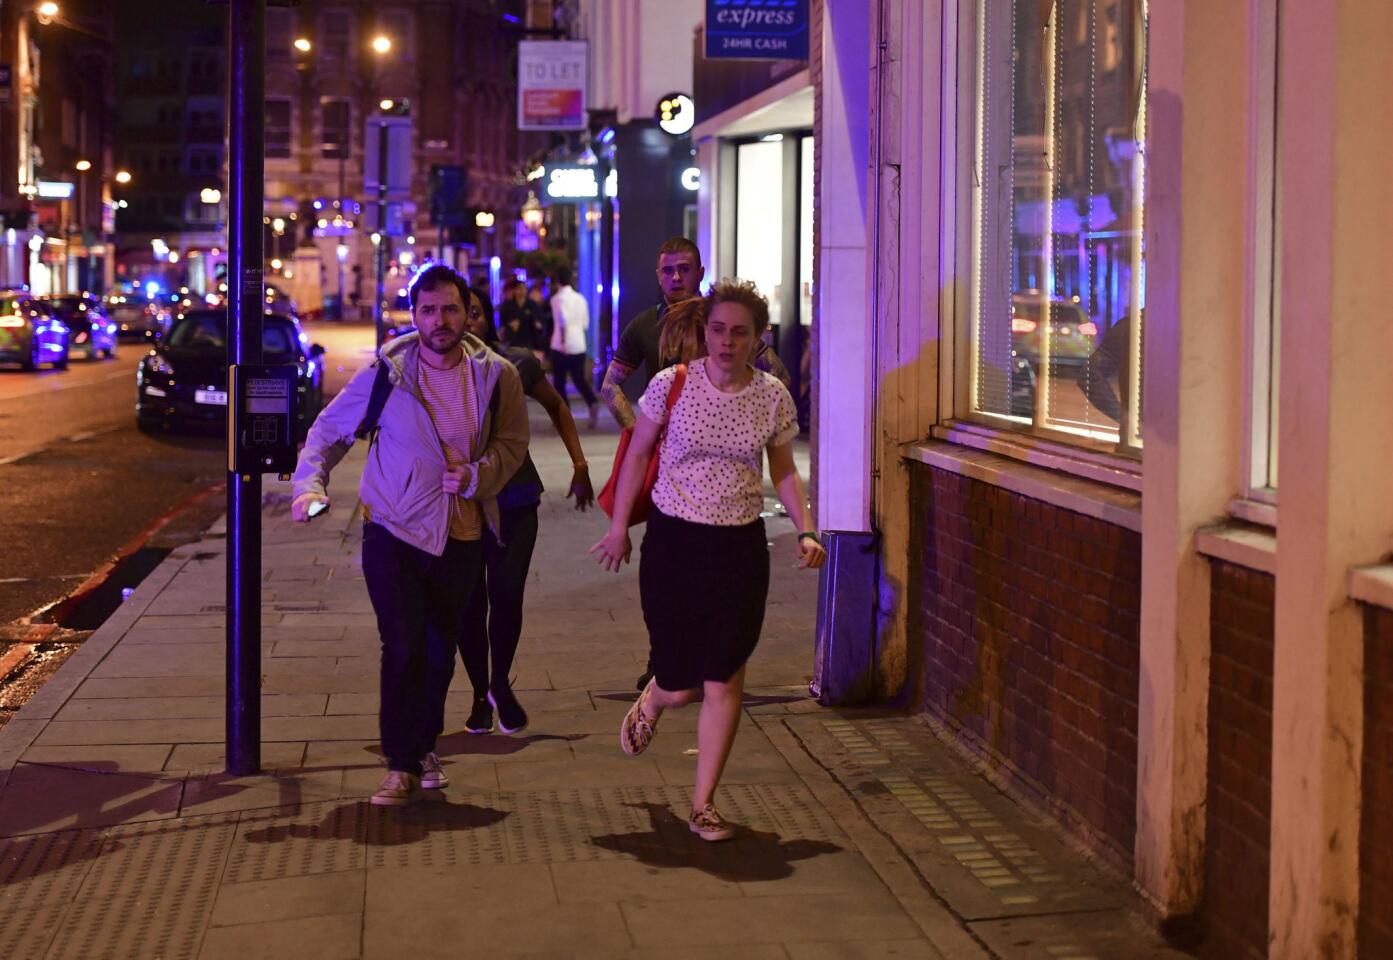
x=844, y=657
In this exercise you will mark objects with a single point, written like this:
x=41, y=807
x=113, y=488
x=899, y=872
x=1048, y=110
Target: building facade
x=1082, y=269
x=56, y=132
x=443, y=69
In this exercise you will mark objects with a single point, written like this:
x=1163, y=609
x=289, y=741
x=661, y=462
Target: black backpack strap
x=381, y=387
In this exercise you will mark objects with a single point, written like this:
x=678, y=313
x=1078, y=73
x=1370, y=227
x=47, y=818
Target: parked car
x=92, y=331
x=137, y=318
x=182, y=381
x=30, y=332
x=1073, y=338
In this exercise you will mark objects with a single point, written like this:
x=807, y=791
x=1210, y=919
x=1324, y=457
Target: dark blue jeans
x=420, y=609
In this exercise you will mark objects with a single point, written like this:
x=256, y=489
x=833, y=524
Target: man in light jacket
x=570, y=316
x=452, y=432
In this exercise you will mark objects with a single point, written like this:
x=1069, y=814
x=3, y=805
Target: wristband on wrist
x=810, y=535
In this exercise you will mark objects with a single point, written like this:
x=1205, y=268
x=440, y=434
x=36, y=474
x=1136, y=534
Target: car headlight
x=155, y=363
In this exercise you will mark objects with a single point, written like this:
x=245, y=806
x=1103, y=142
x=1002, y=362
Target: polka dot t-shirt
x=711, y=464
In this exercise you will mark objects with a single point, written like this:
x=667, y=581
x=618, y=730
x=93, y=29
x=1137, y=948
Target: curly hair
x=745, y=293
x=683, y=337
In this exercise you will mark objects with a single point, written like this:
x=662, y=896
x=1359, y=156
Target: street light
x=47, y=12
x=386, y=104
x=210, y=195
x=123, y=177
x=82, y=166
x=381, y=44
x=303, y=44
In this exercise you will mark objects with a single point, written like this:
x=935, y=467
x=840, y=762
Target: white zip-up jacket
x=401, y=484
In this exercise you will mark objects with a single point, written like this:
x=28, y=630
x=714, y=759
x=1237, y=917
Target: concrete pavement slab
x=513, y=911
x=201, y=759
x=177, y=708
x=771, y=919
x=621, y=881
x=289, y=898
x=329, y=937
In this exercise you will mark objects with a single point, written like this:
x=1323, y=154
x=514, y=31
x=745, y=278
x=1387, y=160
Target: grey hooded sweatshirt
x=400, y=488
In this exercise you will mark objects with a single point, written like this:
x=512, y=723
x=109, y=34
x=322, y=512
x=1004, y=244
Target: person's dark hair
x=431, y=276
x=490, y=324
x=680, y=245
x=745, y=293
x=563, y=276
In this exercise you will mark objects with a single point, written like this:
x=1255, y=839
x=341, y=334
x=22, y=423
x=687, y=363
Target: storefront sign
x=676, y=114
x=55, y=189
x=551, y=85
x=576, y=183
x=757, y=29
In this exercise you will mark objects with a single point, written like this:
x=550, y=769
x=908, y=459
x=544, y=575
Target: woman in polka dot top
x=704, y=571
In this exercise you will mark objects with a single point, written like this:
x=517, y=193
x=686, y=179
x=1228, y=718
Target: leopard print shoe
x=636, y=732
x=708, y=824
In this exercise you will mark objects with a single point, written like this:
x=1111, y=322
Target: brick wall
x=1376, y=810
x=1028, y=620
x=1239, y=790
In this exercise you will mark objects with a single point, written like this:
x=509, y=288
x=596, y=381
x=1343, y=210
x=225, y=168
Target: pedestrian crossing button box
x=263, y=415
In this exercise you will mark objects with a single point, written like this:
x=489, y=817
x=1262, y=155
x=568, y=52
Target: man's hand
x=582, y=489
x=613, y=551
x=453, y=480
x=300, y=506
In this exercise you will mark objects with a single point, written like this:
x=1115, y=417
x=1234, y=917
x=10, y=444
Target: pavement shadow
x=462, y=743
x=82, y=794
x=362, y=823
x=748, y=700
x=753, y=856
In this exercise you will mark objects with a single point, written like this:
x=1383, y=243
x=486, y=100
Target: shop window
x=335, y=118
x=759, y=217
x=399, y=25
x=278, y=128
x=1265, y=315
x=336, y=33
x=1054, y=340
x=279, y=26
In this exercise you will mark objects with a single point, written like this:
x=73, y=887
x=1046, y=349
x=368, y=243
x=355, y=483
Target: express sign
x=757, y=29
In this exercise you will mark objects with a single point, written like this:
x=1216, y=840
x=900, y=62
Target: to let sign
x=757, y=29
x=551, y=85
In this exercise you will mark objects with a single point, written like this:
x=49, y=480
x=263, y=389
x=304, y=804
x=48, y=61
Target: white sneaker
x=395, y=789
x=432, y=774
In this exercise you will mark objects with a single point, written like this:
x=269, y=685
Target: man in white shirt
x=570, y=316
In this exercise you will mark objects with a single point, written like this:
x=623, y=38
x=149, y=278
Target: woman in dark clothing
x=495, y=618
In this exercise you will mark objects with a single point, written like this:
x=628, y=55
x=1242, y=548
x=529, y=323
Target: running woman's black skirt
x=703, y=590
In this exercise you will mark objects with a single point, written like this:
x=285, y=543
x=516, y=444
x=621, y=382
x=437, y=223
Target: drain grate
x=156, y=883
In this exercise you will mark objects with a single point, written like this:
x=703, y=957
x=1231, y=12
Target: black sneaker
x=480, y=718
x=511, y=716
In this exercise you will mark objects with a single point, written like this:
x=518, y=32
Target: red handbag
x=644, y=503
